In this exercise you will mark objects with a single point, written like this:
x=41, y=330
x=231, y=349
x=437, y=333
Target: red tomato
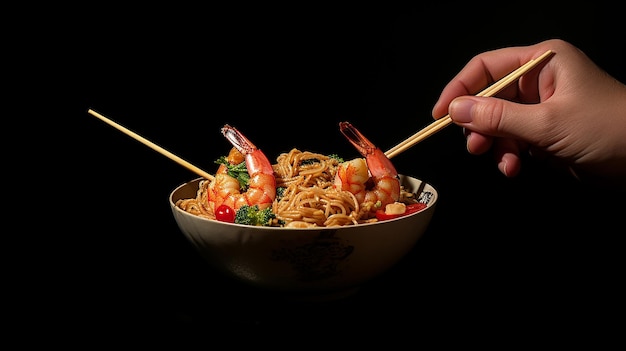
x=225, y=213
x=410, y=208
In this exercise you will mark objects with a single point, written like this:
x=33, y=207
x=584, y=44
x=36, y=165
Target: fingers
x=483, y=70
x=500, y=125
x=500, y=118
x=507, y=154
x=476, y=143
x=486, y=132
x=505, y=151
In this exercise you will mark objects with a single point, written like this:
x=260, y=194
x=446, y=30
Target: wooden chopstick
x=441, y=123
x=153, y=146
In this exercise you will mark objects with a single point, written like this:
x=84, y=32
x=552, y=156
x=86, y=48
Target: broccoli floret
x=252, y=215
x=238, y=171
x=335, y=156
x=310, y=161
x=280, y=192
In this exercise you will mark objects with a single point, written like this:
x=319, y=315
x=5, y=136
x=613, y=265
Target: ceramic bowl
x=305, y=262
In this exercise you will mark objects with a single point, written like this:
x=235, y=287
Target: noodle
x=198, y=205
x=309, y=197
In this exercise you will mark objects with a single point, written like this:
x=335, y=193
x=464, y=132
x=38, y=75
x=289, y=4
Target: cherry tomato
x=410, y=208
x=225, y=213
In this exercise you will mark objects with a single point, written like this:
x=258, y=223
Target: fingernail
x=461, y=110
x=502, y=168
x=468, y=136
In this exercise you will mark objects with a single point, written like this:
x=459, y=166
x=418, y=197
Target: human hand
x=567, y=109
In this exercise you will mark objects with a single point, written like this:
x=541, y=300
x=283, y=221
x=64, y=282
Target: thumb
x=495, y=117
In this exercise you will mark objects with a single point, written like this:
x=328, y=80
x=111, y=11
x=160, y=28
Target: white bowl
x=320, y=263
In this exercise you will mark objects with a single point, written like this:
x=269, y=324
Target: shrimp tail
x=376, y=158
x=360, y=142
x=239, y=141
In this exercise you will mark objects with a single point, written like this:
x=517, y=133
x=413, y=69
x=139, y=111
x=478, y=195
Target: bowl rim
x=423, y=185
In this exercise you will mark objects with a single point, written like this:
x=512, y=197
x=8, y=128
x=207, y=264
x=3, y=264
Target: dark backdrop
x=539, y=247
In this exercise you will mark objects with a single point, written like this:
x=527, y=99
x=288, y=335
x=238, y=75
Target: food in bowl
x=325, y=229
x=302, y=189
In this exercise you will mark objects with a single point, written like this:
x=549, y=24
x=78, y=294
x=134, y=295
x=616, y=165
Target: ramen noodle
x=307, y=198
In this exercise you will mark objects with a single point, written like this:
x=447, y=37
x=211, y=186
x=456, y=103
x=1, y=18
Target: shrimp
x=371, y=179
x=261, y=188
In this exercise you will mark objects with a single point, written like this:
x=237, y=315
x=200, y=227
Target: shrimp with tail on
x=261, y=186
x=372, y=179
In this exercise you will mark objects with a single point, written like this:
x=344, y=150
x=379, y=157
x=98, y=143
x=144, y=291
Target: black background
x=523, y=255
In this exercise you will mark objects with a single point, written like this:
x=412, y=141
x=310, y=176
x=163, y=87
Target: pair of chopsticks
x=153, y=146
x=403, y=146
x=441, y=123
